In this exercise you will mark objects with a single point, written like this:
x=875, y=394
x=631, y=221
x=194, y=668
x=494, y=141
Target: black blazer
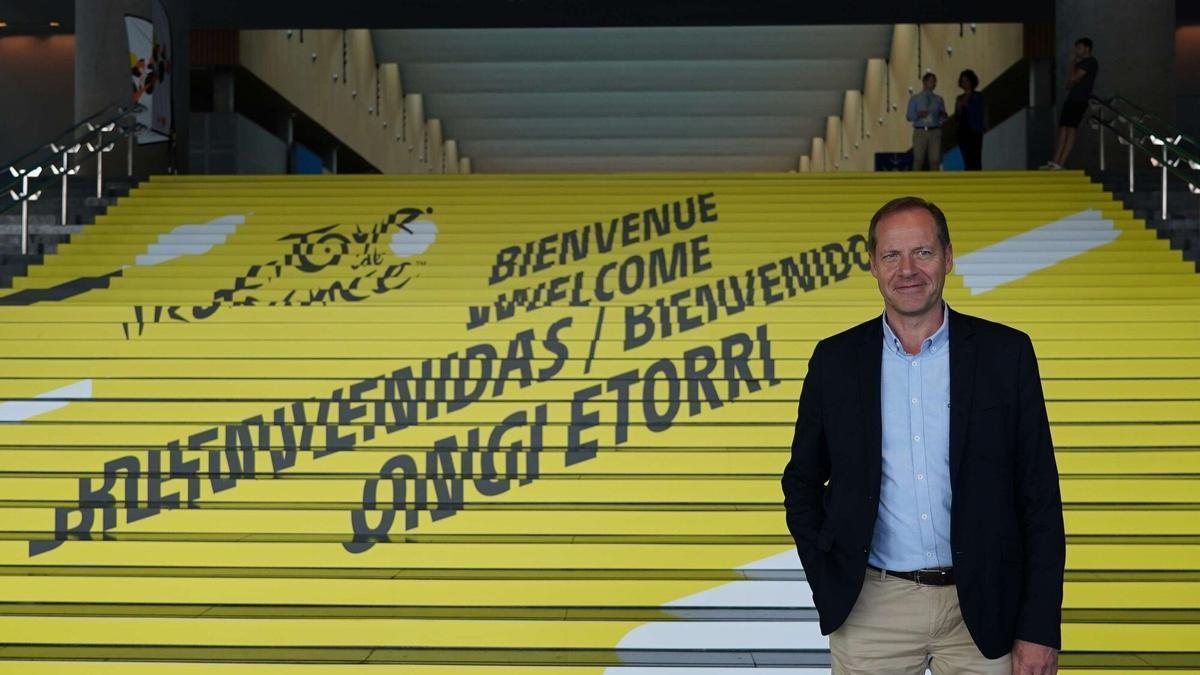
x=1006, y=524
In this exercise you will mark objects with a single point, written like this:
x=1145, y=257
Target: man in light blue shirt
x=927, y=111
x=912, y=530
x=922, y=491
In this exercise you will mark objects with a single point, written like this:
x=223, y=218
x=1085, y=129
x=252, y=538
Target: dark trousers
x=970, y=143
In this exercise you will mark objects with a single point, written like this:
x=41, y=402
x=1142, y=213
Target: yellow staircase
x=506, y=425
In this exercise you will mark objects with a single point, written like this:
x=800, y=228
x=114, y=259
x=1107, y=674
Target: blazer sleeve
x=1040, y=508
x=808, y=469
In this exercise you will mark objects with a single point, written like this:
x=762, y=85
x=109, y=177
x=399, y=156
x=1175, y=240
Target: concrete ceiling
x=633, y=99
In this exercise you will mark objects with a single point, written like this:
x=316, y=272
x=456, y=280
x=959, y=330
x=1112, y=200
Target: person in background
x=969, y=111
x=1081, y=77
x=927, y=111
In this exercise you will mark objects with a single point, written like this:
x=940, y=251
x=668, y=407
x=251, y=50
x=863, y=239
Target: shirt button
x=917, y=439
x=920, y=476
x=915, y=402
x=929, y=554
x=914, y=364
x=924, y=516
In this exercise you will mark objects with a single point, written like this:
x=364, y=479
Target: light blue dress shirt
x=932, y=104
x=912, y=530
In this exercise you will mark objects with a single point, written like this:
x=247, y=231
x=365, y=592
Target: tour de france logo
x=346, y=263
x=337, y=264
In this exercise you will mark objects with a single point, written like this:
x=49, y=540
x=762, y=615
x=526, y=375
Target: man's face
x=930, y=83
x=909, y=262
x=1082, y=52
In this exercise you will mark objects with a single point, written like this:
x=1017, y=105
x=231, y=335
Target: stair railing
x=62, y=156
x=1168, y=149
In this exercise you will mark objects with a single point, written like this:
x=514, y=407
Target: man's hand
x=1029, y=658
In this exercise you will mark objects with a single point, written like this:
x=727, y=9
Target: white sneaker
x=1050, y=166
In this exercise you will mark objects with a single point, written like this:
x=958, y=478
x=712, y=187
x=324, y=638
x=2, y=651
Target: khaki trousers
x=900, y=628
x=927, y=149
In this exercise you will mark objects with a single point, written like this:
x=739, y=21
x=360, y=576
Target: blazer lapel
x=962, y=383
x=869, y=385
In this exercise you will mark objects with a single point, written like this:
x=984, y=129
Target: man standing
x=922, y=491
x=1081, y=77
x=927, y=111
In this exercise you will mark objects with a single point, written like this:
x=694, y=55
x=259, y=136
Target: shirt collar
x=934, y=343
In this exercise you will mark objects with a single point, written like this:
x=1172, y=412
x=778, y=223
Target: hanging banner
x=149, y=69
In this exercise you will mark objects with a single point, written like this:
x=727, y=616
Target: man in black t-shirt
x=1081, y=77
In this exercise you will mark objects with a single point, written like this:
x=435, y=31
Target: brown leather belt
x=936, y=577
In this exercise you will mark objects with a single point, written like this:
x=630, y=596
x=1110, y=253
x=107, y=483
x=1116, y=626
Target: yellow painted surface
x=659, y=514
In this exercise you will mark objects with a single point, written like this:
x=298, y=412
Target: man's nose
x=906, y=265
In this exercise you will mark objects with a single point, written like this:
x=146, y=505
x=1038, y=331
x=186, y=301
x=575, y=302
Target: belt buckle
x=921, y=575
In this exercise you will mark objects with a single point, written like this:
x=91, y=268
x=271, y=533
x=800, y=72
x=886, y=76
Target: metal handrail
x=61, y=137
x=33, y=176
x=1159, y=141
x=1153, y=128
x=1170, y=129
x=70, y=136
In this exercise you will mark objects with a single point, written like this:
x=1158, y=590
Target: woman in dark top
x=968, y=110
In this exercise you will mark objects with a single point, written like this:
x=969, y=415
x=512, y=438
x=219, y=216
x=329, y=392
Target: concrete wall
x=1005, y=145
x=37, y=76
x=1187, y=79
x=1135, y=45
x=228, y=143
x=102, y=69
x=873, y=120
x=341, y=96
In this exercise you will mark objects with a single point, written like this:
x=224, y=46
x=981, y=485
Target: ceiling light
x=1194, y=190
x=1155, y=140
x=1194, y=164
x=55, y=24
x=3, y=24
